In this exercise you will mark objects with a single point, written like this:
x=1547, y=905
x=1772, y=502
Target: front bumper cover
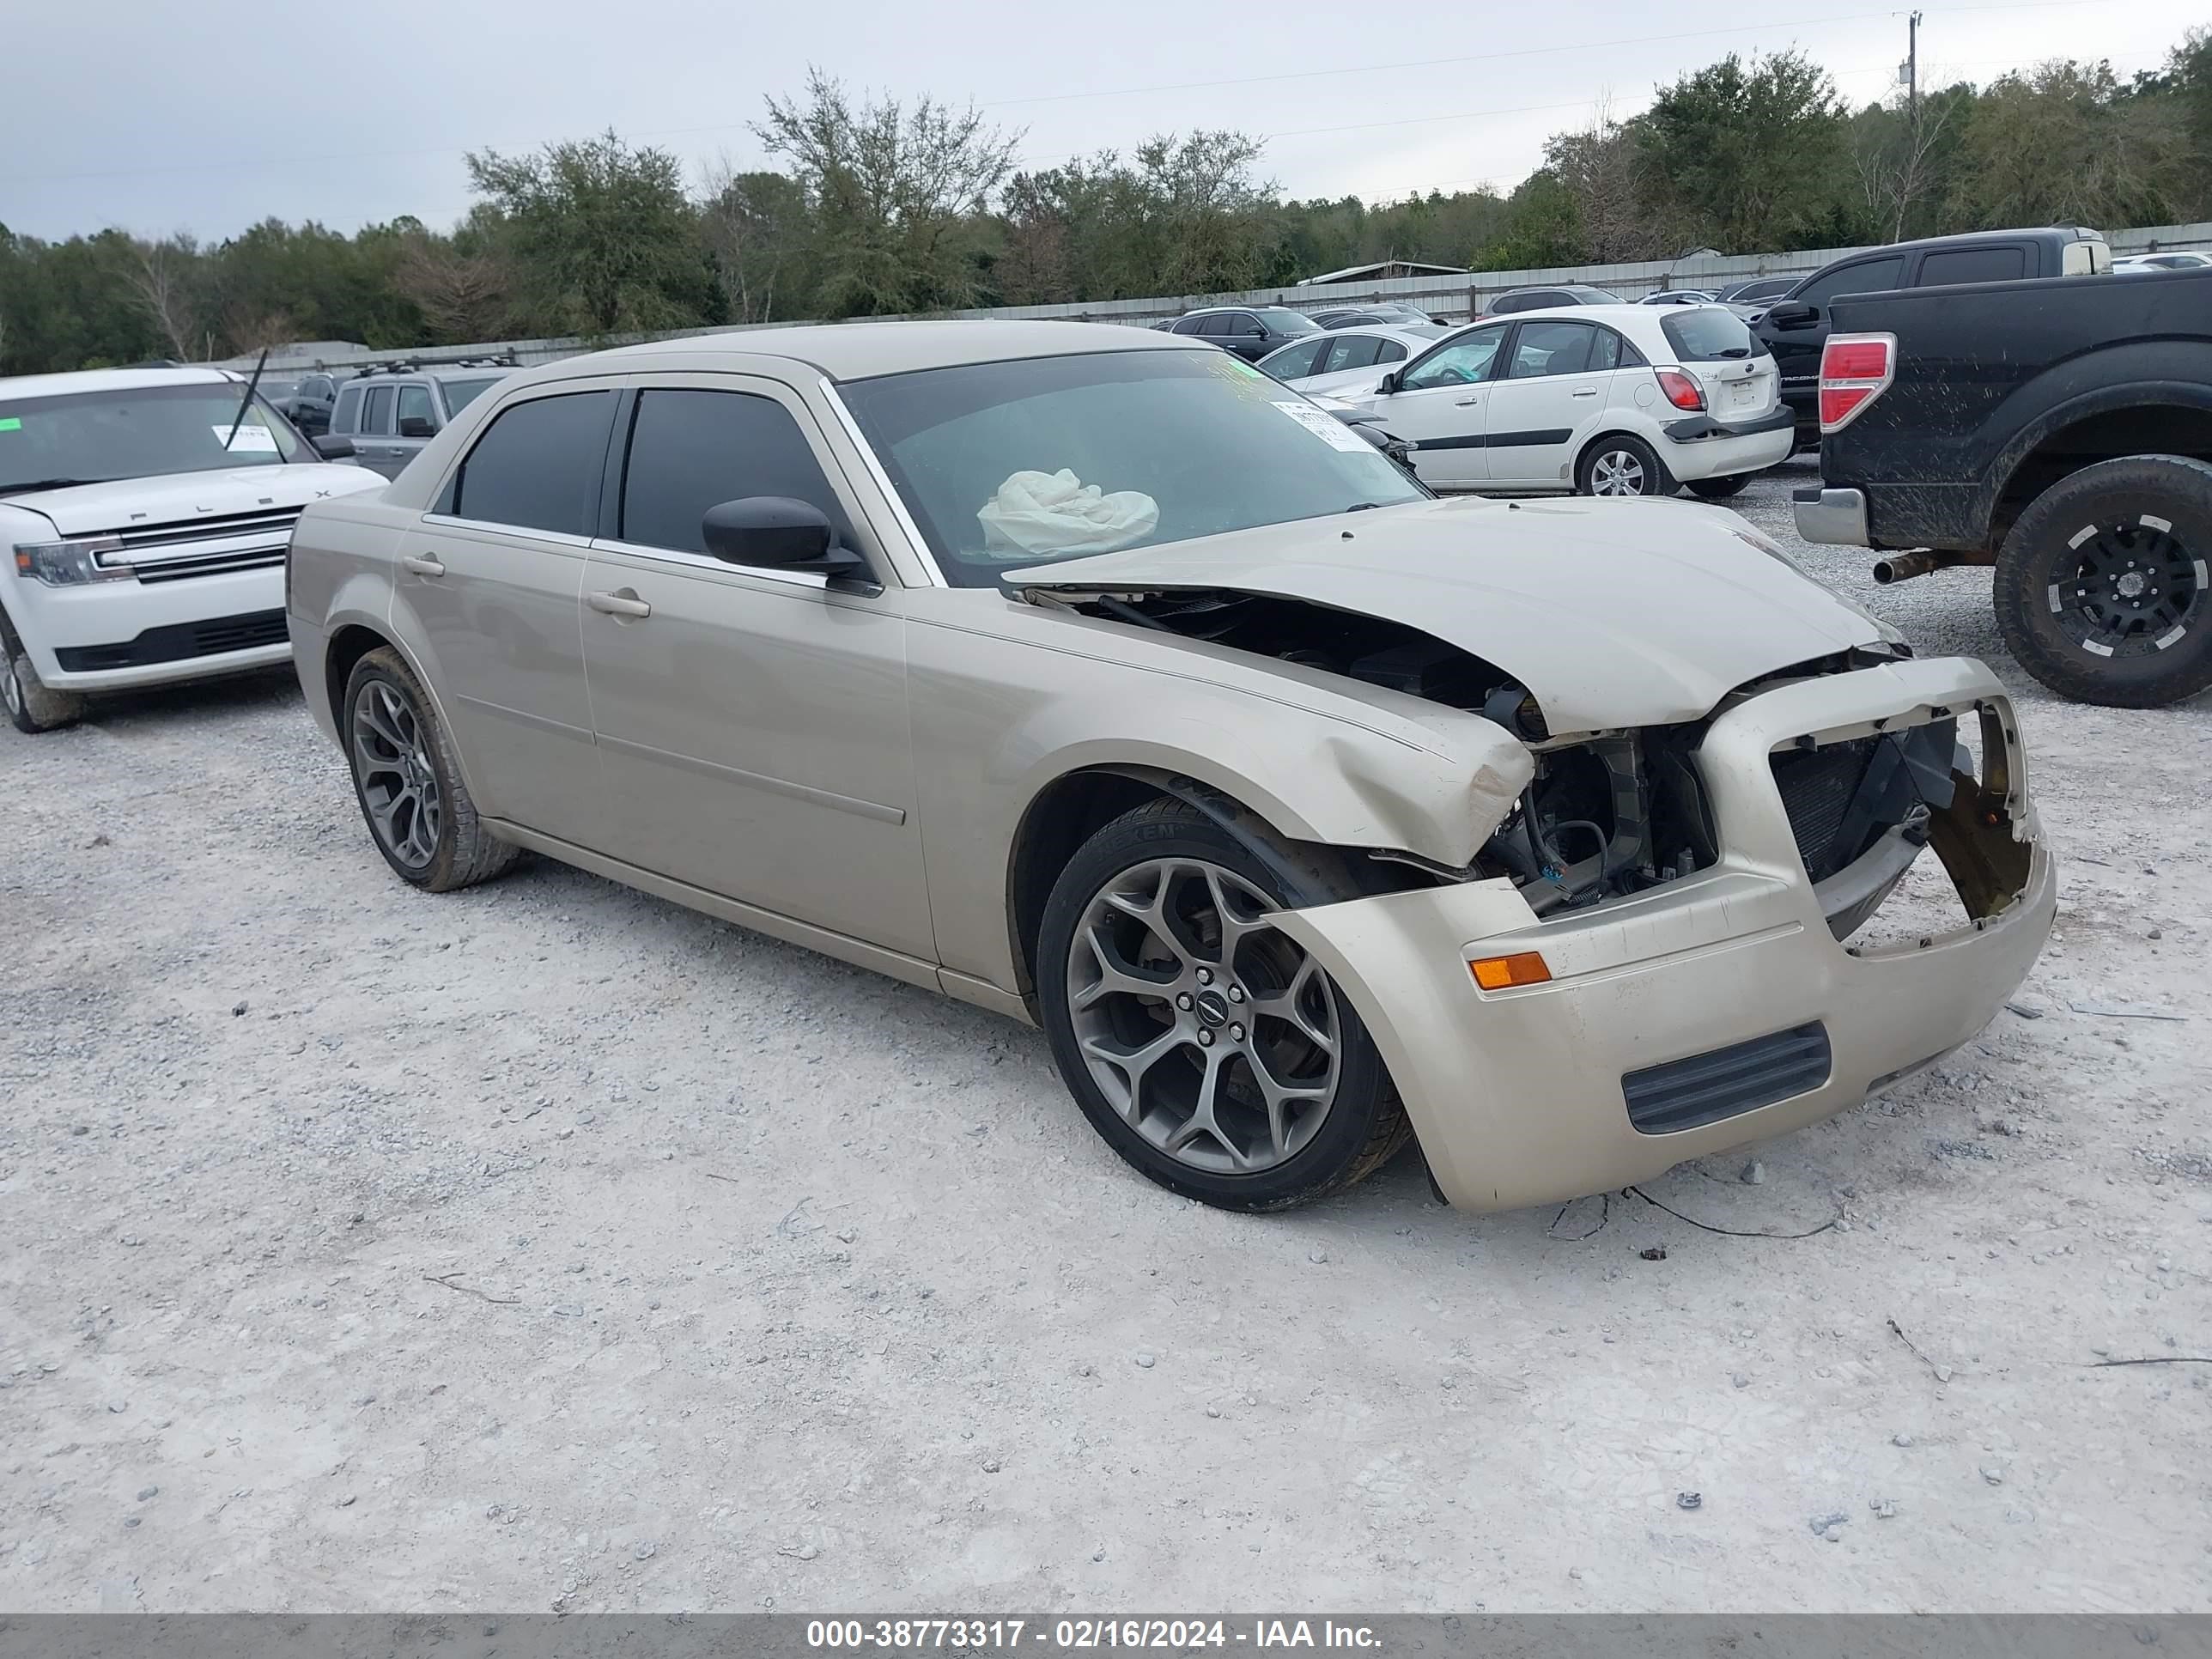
x=1517, y=1096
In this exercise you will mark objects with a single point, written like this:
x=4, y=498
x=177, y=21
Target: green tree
x=602, y=235
x=2062, y=142
x=1748, y=157
x=896, y=195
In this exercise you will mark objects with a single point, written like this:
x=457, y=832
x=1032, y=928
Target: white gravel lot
x=549, y=1246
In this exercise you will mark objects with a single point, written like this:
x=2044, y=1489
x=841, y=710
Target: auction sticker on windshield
x=1326, y=427
x=251, y=438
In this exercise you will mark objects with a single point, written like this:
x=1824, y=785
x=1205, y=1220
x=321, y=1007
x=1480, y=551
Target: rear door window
x=1360, y=351
x=538, y=465
x=689, y=451
x=1551, y=348
x=377, y=421
x=347, y=416
x=1292, y=362
x=416, y=418
x=1974, y=264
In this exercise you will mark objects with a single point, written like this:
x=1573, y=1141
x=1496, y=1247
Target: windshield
x=1283, y=320
x=1023, y=463
x=459, y=394
x=91, y=437
x=1706, y=334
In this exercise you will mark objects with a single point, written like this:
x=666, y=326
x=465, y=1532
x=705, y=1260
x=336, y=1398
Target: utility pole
x=1912, y=71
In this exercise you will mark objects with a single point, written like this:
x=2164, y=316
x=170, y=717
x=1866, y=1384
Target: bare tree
x=1896, y=163
x=462, y=296
x=755, y=225
x=158, y=280
x=1598, y=168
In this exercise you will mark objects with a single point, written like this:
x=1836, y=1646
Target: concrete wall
x=1451, y=298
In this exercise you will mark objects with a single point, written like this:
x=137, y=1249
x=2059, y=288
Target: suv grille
x=205, y=546
x=178, y=642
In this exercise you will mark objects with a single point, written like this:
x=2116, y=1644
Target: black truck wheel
x=2101, y=587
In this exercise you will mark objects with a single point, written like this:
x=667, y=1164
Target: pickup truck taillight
x=1855, y=370
x=1682, y=391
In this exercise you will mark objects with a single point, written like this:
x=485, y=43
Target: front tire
x=409, y=783
x=2100, y=591
x=1719, y=489
x=33, y=706
x=1619, y=464
x=1204, y=1045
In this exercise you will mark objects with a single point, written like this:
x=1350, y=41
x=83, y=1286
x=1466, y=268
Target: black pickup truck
x=2061, y=430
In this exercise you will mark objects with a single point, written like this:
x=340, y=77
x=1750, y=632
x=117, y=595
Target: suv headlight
x=71, y=564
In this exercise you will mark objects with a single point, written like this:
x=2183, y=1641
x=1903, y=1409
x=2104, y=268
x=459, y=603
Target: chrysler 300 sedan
x=1090, y=675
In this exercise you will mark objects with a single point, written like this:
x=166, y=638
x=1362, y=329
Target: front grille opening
x=1907, y=834
x=180, y=642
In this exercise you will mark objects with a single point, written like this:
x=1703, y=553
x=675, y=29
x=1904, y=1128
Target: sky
x=146, y=114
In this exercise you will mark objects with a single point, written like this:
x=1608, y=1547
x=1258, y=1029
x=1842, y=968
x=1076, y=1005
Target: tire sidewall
x=2173, y=488
x=387, y=667
x=1362, y=1089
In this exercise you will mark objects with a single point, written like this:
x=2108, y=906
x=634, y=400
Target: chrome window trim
x=883, y=481
x=807, y=579
x=559, y=537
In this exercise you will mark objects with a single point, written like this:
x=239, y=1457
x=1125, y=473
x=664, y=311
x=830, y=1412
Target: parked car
x=310, y=401
x=1610, y=400
x=1679, y=297
x=1348, y=357
x=1796, y=328
x=145, y=513
x=1250, y=331
x=1546, y=299
x=391, y=412
x=1389, y=313
x=2076, y=458
x=1307, y=814
x=2177, y=259
x=1756, y=290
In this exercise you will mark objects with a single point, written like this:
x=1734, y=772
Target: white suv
x=1605, y=400
x=144, y=520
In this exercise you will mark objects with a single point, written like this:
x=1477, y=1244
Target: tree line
x=883, y=206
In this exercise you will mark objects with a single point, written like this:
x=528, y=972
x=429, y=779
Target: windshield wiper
x=244, y=403
x=1364, y=506
x=48, y=483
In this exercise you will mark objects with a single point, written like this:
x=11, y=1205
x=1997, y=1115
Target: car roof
x=1401, y=332
x=111, y=380
x=851, y=351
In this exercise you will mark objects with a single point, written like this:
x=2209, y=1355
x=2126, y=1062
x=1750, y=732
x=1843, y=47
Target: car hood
x=124, y=503
x=1612, y=613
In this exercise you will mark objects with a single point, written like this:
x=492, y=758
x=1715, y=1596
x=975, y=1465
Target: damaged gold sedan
x=1088, y=676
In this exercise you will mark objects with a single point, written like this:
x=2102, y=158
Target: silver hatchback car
x=1092, y=677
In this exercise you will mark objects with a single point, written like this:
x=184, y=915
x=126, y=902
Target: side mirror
x=777, y=533
x=414, y=426
x=1792, y=314
x=331, y=448
x=1393, y=381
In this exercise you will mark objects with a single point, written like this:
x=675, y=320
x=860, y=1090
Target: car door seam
x=867, y=809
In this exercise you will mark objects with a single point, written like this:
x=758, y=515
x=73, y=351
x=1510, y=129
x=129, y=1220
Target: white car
x=144, y=520
x=1603, y=400
x=1350, y=356
x=2172, y=259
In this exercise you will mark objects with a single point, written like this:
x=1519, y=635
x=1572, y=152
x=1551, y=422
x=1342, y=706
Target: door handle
x=624, y=603
x=1585, y=392
x=425, y=566
x=1466, y=403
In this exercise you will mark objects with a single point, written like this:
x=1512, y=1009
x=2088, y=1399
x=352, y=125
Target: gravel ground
x=547, y=1245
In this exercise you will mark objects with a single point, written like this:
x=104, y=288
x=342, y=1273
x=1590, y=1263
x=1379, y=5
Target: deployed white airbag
x=1038, y=512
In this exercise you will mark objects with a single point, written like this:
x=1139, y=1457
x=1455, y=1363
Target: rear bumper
x=1524, y=1097
x=1703, y=447
x=1834, y=517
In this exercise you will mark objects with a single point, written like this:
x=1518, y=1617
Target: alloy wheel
x=1209, y=1031
x=1617, y=472
x=2129, y=590
x=391, y=756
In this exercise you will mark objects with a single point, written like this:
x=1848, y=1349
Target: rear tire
x=1621, y=465
x=33, y=706
x=2100, y=590
x=1253, y=1086
x=409, y=782
x=1719, y=489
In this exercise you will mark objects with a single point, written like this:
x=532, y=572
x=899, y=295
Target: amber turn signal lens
x=1502, y=973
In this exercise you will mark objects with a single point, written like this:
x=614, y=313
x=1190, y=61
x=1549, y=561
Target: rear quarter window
x=1707, y=334
x=1974, y=264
